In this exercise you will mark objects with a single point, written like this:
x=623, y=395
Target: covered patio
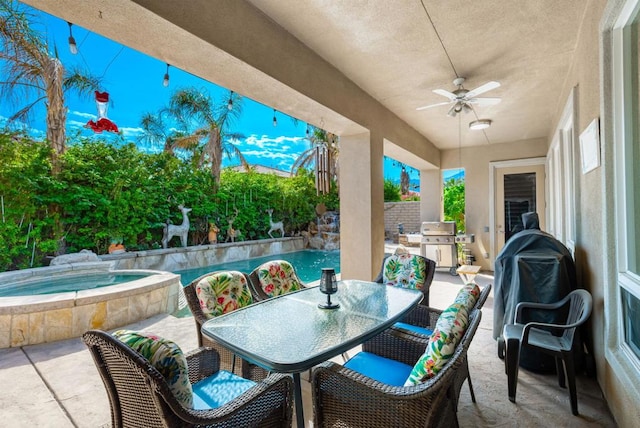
x=362, y=69
x=57, y=384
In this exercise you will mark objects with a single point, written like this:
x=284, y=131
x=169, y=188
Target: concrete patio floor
x=57, y=384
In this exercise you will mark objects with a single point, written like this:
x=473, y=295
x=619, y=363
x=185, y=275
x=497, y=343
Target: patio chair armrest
x=520, y=307
x=398, y=345
x=268, y=403
x=202, y=363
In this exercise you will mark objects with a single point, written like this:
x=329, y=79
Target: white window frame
x=617, y=352
x=561, y=185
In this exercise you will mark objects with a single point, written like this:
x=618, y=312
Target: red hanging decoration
x=103, y=123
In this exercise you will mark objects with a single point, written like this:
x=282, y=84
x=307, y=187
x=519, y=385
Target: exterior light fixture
x=479, y=124
x=165, y=81
x=230, y=103
x=73, y=47
x=275, y=120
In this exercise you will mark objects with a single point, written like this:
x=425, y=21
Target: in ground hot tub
x=63, y=301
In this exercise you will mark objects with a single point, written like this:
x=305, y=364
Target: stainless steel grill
x=439, y=244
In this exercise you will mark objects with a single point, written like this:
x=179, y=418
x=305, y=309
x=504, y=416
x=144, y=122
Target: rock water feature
x=326, y=234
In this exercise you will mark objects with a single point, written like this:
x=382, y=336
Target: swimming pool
x=308, y=265
x=66, y=283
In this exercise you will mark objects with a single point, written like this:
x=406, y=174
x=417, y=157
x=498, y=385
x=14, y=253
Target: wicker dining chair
x=408, y=271
x=224, y=283
x=140, y=396
x=345, y=397
x=274, y=278
x=421, y=323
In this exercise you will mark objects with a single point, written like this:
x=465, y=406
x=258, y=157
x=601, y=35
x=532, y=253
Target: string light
x=275, y=120
x=165, y=81
x=307, y=130
x=73, y=47
x=230, y=103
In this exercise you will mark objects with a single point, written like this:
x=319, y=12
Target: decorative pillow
x=404, y=270
x=166, y=356
x=468, y=295
x=278, y=277
x=448, y=331
x=453, y=321
x=223, y=292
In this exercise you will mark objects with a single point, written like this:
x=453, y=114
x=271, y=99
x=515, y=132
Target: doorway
x=518, y=187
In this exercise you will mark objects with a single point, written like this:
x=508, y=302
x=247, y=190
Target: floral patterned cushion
x=166, y=356
x=223, y=292
x=448, y=331
x=278, y=277
x=405, y=270
x=468, y=295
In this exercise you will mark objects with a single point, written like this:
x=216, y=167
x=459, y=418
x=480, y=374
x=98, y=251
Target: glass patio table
x=291, y=334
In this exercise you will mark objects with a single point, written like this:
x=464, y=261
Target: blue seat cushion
x=385, y=370
x=217, y=390
x=413, y=328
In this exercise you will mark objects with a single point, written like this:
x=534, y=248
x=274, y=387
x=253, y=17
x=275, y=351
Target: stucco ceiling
x=389, y=49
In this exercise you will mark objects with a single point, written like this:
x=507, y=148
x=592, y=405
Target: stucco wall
x=596, y=258
x=476, y=161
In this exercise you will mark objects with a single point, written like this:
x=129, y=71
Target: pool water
x=66, y=283
x=308, y=265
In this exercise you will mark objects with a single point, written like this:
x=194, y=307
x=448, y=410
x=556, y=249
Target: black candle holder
x=328, y=286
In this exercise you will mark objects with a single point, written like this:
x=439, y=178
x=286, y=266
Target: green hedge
x=106, y=193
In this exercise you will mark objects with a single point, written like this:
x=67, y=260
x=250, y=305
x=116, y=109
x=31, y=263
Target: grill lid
x=438, y=228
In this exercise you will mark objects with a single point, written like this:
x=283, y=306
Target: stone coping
x=40, y=302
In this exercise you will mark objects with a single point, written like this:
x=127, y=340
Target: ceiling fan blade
x=434, y=105
x=444, y=93
x=485, y=101
x=482, y=89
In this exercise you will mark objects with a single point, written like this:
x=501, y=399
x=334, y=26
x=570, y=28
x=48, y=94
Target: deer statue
x=231, y=232
x=274, y=226
x=181, y=230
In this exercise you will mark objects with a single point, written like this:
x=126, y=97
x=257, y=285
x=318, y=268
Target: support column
x=361, y=206
x=431, y=207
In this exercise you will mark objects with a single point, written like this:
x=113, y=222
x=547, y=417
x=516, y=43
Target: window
x=626, y=118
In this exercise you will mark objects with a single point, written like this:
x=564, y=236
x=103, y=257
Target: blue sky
x=134, y=83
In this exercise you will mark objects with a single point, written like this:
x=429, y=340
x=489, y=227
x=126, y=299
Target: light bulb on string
x=73, y=47
x=275, y=120
x=165, y=81
x=230, y=103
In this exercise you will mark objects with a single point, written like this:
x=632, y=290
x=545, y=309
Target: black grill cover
x=533, y=266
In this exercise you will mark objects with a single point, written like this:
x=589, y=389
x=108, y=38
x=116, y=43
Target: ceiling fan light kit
x=479, y=124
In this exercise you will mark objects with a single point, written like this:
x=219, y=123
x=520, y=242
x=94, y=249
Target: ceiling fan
x=462, y=99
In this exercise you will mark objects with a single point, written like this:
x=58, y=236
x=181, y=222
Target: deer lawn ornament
x=231, y=232
x=181, y=230
x=274, y=226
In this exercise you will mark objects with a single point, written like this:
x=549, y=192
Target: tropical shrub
x=106, y=193
x=391, y=191
x=454, y=202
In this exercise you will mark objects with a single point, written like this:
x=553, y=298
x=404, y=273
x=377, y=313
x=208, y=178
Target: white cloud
x=76, y=124
x=82, y=114
x=131, y=132
x=270, y=155
x=266, y=142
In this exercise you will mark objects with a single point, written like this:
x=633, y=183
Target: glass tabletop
x=291, y=334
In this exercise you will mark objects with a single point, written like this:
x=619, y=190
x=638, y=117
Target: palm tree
x=30, y=69
x=155, y=130
x=203, y=127
x=323, y=147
